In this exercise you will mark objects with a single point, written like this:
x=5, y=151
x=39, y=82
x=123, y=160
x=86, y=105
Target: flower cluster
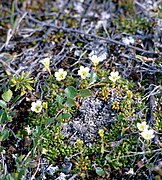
x=146, y=133
x=83, y=72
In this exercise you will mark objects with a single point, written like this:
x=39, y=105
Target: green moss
x=56, y=145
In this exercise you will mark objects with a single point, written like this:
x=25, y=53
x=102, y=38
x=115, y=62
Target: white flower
x=60, y=75
x=114, y=76
x=36, y=106
x=84, y=72
x=142, y=126
x=147, y=134
x=28, y=130
x=128, y=40
x=96, y=59
x=45, y=62
x=131, y=171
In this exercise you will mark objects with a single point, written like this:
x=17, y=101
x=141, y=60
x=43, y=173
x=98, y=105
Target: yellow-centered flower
x=84, y=72
x=96, y=59
x=60, y=75
x=147, y=134
x=114, y=76
x=142, y=126
x=36, y=106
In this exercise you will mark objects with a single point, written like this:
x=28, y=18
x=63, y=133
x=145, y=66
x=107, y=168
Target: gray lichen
x=93, y=115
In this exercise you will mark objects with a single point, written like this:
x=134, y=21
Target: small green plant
x=72, y=94
x=22, y=82
x=5, y=114
x=82, y=162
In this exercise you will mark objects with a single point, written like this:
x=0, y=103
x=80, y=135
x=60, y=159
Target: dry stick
x=137, y=153
x=83, y=33
x=144, y=7
x=8, y=66
x=155, y=91
x=11, y=32
x=33, y=176
x=69, y=30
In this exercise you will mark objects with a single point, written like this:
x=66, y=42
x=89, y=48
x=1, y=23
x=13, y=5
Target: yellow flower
x=115, y=105
x=45, y=105
x=147, y=134
x=101, y=133
x=80, y=145
x=36, y=106
x=60, y=75
x=114, y=76
x=142, y=126
x=84, y=72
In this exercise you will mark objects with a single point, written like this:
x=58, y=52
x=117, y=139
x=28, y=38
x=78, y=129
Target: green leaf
x=5, y=134
x=120, y=118
x=28, y=87
x=1, y=149
x=3, y=116
x=160, y=6
x=70, y=92
x=9, y=118
x=7, y=95
x=59, y=100
x=85, y=93
x=3, y=104
x=21, y=157
x=26, y=75
x=100, y=171
x=64, y=116
x=11, y=176
x=70, y=102
x=150, y=166
x=107, y=157
x=50, y=120
x=93, y=78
